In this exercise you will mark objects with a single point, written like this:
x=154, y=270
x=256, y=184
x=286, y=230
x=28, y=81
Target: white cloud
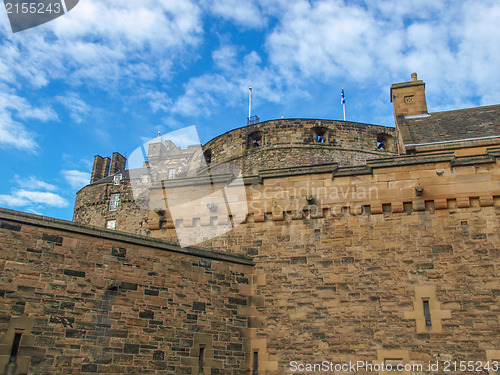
x=32, y=195
x=77, y=107
x=368, y=44
x=127, y=47
x=24, y=198
x=328, y=39
x=243, y=13
x=34, y=183
x=158, y=100
x=76, y=179
x=451, y=44
x=225, y=57
x=12, y=132
x=228, y=86
x=100, y=42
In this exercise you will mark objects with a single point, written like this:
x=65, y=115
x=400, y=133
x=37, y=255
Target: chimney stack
x=408, y=98
x=118, y=163
x=100, y=169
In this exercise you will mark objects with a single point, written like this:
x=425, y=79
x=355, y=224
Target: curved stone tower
x=300, y=142
x=108, y=200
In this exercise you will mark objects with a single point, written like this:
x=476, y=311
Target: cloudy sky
x=110, y=74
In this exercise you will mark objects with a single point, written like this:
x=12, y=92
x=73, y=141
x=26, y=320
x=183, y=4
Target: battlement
x=440, y=181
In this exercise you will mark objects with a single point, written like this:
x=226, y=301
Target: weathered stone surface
x=145, y=325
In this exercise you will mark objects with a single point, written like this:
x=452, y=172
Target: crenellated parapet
x=431, y=182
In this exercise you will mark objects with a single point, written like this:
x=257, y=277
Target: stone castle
x=358, y=244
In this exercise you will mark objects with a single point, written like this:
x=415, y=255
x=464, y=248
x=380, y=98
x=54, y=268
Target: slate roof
x=451, y=125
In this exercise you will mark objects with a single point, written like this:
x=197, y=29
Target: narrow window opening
x=254, y=140
x=384, y=142
x=11, y=365
x=319, y=135
x=208, y=156
x=427, y=313
x=15, y=347
x=381, y=141
x=201, y=360
x=255, y=363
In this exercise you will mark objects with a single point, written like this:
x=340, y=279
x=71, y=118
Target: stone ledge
x=299, y=121
x=224, y=178
x=452, y=145
x=472, y=160
x=297, y=171
x=398, y=161
x=63, y=225
x=393, y=161
x=352, y=171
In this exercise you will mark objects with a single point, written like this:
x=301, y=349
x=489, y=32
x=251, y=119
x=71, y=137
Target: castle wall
x=95, y=301
x=290, y=143
x=345, y=279
x=352, y=288
x=93, y=202
x=256, y=160
x=295, y=141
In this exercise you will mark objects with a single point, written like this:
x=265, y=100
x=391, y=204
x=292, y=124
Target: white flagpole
x=249, y=103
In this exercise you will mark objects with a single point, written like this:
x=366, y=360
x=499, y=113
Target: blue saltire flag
x=342, y=97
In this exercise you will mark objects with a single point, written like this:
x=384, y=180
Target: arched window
x=254, y=139
x=320, y=134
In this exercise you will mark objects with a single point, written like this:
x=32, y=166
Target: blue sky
x=109, y=75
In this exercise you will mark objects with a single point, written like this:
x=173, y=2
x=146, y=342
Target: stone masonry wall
x=294, y=141
x=90, y=301
x=256, y=160
x=345, y=279
x=286, y=143
x=351, y=288
x=92, y=208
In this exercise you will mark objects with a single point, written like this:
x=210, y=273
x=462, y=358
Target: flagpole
x=249, y=103
x=342, y=99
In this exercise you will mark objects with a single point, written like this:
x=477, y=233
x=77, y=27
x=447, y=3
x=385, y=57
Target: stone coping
x=294, y=120
x=453, y=145
x=388, y=162
x=69, y=226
